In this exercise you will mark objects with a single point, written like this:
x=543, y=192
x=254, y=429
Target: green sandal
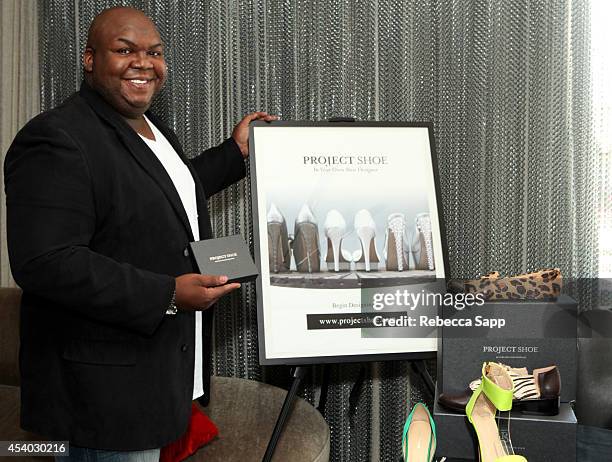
x=493, y=394
x=419, y=440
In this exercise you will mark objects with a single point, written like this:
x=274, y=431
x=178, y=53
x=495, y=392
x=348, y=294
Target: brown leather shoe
x=536, y=394
x=548, y=381
x=455, y=402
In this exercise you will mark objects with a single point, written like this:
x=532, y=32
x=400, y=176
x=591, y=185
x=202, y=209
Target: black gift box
x=537, y=334
x=538, y=438
x=227, y=256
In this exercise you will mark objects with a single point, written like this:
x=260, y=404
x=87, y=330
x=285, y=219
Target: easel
x=299, y=372
x=297, y=376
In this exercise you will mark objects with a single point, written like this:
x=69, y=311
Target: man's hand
x=241, y=131
x=199, y=292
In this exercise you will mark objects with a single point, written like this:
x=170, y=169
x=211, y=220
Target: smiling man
x=125, y=73
x=101, y=205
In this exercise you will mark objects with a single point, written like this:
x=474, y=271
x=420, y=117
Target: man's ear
x=88, y=57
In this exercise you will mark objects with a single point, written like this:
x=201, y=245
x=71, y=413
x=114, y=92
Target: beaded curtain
x=506, y=84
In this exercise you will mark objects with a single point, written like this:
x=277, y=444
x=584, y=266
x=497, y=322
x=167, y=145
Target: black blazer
x=96, y=235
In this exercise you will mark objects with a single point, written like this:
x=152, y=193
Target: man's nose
x=141, y=60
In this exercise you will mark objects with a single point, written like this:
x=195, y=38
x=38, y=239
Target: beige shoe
x=306, y=248
x=279, y=254
x=419, y=438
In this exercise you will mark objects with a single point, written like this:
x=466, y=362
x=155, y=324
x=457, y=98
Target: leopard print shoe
x=542, y=284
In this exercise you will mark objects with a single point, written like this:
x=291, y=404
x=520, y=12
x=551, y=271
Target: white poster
x=342, y=213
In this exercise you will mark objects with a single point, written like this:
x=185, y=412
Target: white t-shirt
x=185, y=186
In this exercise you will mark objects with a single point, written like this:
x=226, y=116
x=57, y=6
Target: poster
x=343, y=212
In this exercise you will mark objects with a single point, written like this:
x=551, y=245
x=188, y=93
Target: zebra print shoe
x=536, y=394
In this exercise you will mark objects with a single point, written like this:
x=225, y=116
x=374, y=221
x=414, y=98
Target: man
x=101, y=206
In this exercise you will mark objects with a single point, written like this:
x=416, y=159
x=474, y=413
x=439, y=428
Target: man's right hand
x=199, y=292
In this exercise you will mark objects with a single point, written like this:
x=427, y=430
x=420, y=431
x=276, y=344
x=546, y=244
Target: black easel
x=297, y=374
x=420, y=368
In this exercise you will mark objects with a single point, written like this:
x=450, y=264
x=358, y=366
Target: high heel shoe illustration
x=422, y=243
x=419, y=439
x=366, y=230
x=306, y=249
x=493, y=394
x=335, y=230
x=395, y=243
x=279, y=254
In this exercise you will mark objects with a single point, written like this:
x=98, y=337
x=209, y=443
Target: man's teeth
x=138, y=81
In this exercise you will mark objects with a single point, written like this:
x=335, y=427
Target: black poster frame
x=295, y=361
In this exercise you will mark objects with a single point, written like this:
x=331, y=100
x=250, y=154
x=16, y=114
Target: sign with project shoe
x=345, y=212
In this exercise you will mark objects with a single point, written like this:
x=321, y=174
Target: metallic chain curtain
x=506, y=84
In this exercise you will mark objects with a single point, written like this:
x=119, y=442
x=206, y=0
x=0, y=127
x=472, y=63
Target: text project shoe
x=279, y=254
x=493, y=394
x=419, y=437
x=422, y=243
x=542, y=284
x=395, y=243
x=335, y=231
x=537, y=393
x=365, y=228
x=306, y=250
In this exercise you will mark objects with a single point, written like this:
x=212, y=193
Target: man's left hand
x=241, y=131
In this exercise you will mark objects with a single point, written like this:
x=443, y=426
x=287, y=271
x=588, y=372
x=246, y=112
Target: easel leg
x=298, y=375
x=324, y=388
x=420, y=368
